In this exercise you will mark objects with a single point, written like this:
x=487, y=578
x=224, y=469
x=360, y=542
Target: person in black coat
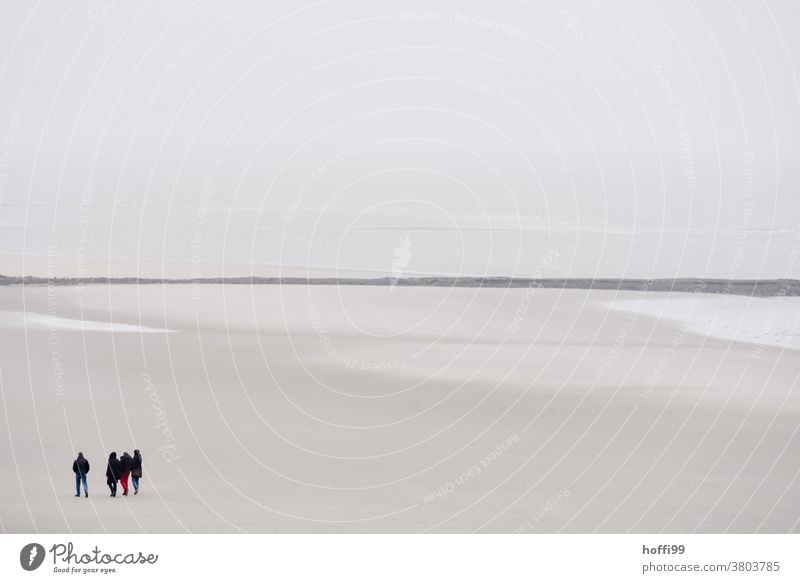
x=81, y=467
x=136, y=470
x=113, y=472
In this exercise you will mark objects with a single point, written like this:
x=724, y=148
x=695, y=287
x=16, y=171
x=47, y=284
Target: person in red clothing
x=125, y=462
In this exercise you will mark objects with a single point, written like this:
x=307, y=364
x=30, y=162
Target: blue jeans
x=78, y=480
x=135, y=483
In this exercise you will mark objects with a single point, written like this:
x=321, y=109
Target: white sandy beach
x=378, y=409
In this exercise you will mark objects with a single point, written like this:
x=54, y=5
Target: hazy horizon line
x=749, y=287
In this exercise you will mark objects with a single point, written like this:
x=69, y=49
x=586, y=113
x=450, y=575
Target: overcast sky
x=631, y=138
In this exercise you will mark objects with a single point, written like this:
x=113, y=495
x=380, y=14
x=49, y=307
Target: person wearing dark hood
x=81, y=467
x=113, y=472
x=126, y=462
x=136, y=470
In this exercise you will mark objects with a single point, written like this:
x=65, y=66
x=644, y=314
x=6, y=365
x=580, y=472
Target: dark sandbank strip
x=752, y=288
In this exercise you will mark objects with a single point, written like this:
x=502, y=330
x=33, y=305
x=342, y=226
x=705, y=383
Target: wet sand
x=398, y=409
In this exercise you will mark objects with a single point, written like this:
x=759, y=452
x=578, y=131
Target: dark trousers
x=113, y=487
x=78, y=481
x=135, y=481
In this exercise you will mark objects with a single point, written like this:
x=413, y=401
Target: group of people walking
x=117, y=470
x=122, y=468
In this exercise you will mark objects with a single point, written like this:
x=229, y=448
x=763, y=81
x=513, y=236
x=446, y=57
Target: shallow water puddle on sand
x=37, y=321
x=761, y=321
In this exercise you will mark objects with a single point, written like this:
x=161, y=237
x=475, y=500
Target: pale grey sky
x=635, y=138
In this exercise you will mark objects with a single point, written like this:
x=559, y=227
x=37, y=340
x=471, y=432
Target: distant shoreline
x=747, y=287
